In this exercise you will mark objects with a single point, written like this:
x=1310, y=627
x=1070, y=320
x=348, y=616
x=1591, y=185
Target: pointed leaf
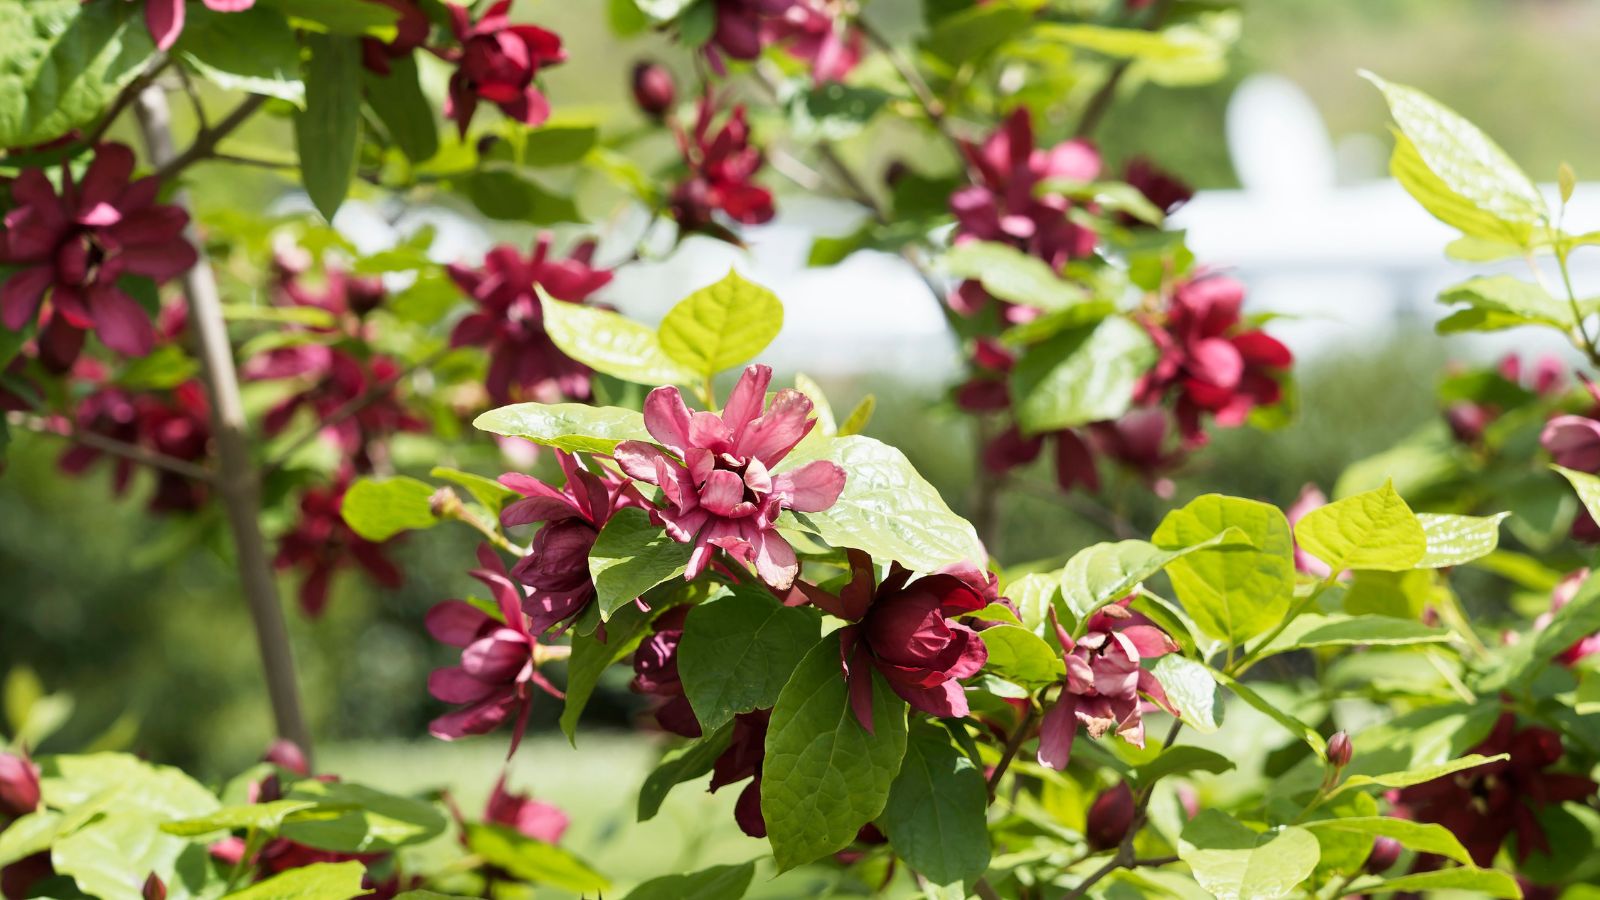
x=1422, y=837
x=1085, y=374
x=936, y=817
x=715, y=883
x=631, y=555
x=683, y=764
x=574, y=427
x=738, y=651
x=1107, y=572
x=379, y=510
x=721, y=325
x=342, y=879
x=1234, y=862
x=1233, y=592
x=612, y=343
x=328, y=132
x=1457, y=540
x=1372, y=530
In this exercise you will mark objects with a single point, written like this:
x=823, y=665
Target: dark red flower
x=1210, y=359
x=816, y=31
x=500, y=659
x=653, y=89
x=905, y=628
x=540, y=821
x=77, y=243
x=740, y=24
x=1104, y=682
x=320, y=543
x=19, y=785
x=1484, y=805
x=1163, y=189
x=722, y=167
x=175, y=424
x=355, y=399
x=523, y=362
x=411, y=32
x=655, y=672
x=743, y=758
x=1385, y=853
x=498, y=62
x=556, y=569
x=1109, y=817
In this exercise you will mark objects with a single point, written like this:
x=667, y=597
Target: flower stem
x=237, y=480
x=60, y=427
x=1012, y=746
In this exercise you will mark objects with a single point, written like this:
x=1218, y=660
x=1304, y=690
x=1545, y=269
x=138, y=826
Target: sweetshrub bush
x=894, y=703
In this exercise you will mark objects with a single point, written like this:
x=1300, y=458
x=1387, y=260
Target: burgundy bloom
x=177, y=424
x=815, y=31
x=411, y=32
x=1109, y=817
x=165, y=18
x=523, y=362
x=740, y=26
x=1311, y=497
x=1573, y=442
x=1549, y=373
x=498, y=63
x=320, y=543
x=1485, y=804
x=347, y=297
x=655, y=672
x=19, y=785
x=743, y=759
x=1001, y=204
x=1385, y=853
x=333, y=382
x=540, y=821
x=154, y=888
x=718, y=482
x=1210, y=360
x=1138, y=441
x=1104, y=682
x=1163, y=189
x=1340, y=749
x=906, y=629
x=653, y=89
x=722, y=168
x=556, y=569
x=76, y=244
x=499, y=659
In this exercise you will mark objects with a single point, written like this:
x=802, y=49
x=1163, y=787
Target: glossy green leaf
x=328, y=131
x=63, y=64
x=683, y=764
x=1182, y=759
x=508, y=194
x=1107, y=572
x=1457, y=540
x=1234, y=862
x=1021, y=657
x=404, y=110
x=122, y=780
x=1033, y=595
x=738, y=651
x=1312, y=630
x=533, y=861
x=1191, y=690
x=1481, y=882
x=111, y=856
x=329, y=880
x=252, y=50
x=1372, y=530
x=886, y=509
x=267, y=817
x=1495, y=302
x=574, y=427
x=631, y=555
x=715, y=883
x=857, y=421
x=351, y=818
x=1587, y=486
x=1421, y=837
x=936, y=816
x=611, y=343
x=825, y=776
x=591, y=655
x=1401, y=595
x=721, y=325
x=379, y=510
x=1420, y=774
x=1233, y=591
x=1013, y=276
x=1084, y=374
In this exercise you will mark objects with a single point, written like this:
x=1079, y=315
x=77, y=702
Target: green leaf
x=833, y=111
x=1021, y=657
x=64, y=63
x=936, y=816
x=379, y=510
x=328, y=131
x=738, y=651
x=400, y=105
x=1464, y=160
x=1033, y=594
x=574, y=427
x=558, y=143
x=1587, y=486
x=350, y=818
x=1421, y=774
x=1191, y=690
x=825, y=776
x=631, y=555
x=975, y=32
x=1457, y=540
x=1234, y=862
x=308, y=882
x=505, y=193
x=1496, y=302
x=253, y=50
x=1013, y=276
x=1419, y=836
x=1084, y=374
x=821, y=409
x=492, y=494
x=886, y=509
x=856, y=422
x=1372, y=530
x=533, y=861
x=1485, y=882
x=715, y=883
x=111, y=856
x=358, y=18
x=661, y=11
x=1294, y=726
x=612, y=343
x=29, y=834
x=267, y=817
x=1107, y=572
x=1180, y=759
x=591, y=656
x=165, y=367
x=1311, y=630
x=1233, y=591
x=123, y=780
x=721, y=325
x=683, y=764
x=1401, y=595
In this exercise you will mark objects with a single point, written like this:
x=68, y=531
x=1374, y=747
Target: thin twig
x=253, y=161
x=1013, y=744
x=123, y=100
x=1100, y=103
x=62, y=428
x=205, y=142
x=932, y=107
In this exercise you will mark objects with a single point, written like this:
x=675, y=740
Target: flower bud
x=653, y=89
x=1110, y=817
x=19, y=785
x=286, y=754
x=1385, y=851
x=365, y=295
x=154, y=888
x=1339, y=750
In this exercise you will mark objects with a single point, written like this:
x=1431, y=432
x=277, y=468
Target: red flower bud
x=1385, y=850
x=19, y=785
x=1340, y=750
x=653, y=89
x=1110, y=818
x=154, y=888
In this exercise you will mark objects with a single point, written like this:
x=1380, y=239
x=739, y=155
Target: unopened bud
x=444, y=504
x=286, y=754
x=1110, y=818
x=653, y=89
x=1340, y=750
x=365, y=295
x=1385, y=851
x=154, y=888
x=19, y=785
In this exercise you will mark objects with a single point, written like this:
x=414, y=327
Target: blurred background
x=138, y=620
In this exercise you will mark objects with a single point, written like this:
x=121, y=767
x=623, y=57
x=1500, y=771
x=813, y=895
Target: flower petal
x=666, y=417
x=813, y=487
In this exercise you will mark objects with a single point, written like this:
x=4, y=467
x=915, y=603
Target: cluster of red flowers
x=721, y=166
x=811, y=30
